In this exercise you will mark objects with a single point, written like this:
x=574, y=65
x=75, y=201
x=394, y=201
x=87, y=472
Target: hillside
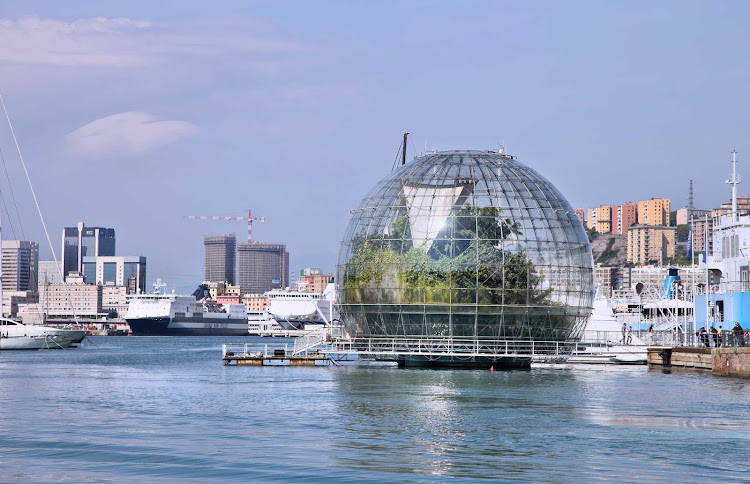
x=609, y=249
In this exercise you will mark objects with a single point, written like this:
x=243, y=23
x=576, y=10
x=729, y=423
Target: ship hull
x=165, y=326
x=49, y=339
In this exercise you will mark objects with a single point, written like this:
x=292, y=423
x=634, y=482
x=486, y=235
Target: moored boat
x=18, y=336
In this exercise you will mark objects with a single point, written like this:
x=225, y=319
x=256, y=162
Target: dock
x=733, y=361
x=241, y=354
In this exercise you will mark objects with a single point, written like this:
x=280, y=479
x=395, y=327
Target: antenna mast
x=403, y=151
x=734, y=180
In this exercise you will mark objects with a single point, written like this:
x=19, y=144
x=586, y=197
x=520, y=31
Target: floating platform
x=241, y=354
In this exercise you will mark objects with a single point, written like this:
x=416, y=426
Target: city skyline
x=134, y=116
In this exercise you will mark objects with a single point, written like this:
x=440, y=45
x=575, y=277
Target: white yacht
x=18, y=336
x=296, y=309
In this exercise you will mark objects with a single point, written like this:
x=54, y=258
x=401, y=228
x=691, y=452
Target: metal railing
x=452, y=347
x=254, y=349
x=634, y=338
x=318, y=338
x=715, y=340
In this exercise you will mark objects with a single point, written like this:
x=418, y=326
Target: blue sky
x=133, y=114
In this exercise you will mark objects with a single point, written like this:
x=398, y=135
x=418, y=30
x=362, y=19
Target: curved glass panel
x=465, y=244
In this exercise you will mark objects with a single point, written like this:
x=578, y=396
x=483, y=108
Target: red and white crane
x=249, y=219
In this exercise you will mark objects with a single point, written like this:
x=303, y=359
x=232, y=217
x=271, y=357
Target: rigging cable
x=5, y=209
x=38, y=208
x=12, y=196
x=395, y=161
x=32, y=278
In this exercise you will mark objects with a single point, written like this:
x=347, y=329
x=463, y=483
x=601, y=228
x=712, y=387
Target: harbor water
x=159, y=409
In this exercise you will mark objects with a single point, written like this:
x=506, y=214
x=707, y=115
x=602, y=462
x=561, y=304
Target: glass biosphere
x=469, y=244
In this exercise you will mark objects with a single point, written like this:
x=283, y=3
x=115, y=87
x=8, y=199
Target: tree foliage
x=476, y=258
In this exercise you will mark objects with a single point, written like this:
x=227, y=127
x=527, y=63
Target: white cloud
x=122, y=42
x=126, y=134
x=94, y=41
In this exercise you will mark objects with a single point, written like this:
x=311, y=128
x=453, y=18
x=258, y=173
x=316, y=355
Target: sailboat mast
x=2, y=313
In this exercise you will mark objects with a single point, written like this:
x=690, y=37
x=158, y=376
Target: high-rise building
x=262, y=267
x=650, y=243
x=604, y=219
x=220, y=258
x=654, y=212
x=82, y=241
x=20, y=265
x=625, y=215
x=128, y=271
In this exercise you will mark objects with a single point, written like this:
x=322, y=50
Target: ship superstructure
x=724, y=294
x=297, y=309
x=159, y=314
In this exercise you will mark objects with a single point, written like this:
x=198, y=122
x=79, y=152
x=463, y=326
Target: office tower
x=82, y=241
x=128, y=271
x=220, y=253
x=262, y=267
x=20, y=264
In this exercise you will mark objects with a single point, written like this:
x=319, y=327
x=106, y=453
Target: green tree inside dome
x=476, y=259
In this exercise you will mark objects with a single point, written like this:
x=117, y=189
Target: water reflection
x=472, y=424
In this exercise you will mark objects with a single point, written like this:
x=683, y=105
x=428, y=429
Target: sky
x=134, y=114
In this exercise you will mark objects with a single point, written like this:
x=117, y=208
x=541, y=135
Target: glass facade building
x=465, y=244
x=128, y=271
x=20, y=264
x=82, y=241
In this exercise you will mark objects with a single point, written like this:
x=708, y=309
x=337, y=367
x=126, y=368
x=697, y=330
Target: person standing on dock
x=721, y=341
x=630, y=335
x=715, y=336
x=624, y=330
x=739, y=334
x=704, y=337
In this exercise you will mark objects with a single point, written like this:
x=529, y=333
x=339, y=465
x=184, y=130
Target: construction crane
x=249, y=219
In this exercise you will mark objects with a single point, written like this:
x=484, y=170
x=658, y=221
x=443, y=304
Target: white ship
x=17, y=336
x=296, y=309
x=160, y=314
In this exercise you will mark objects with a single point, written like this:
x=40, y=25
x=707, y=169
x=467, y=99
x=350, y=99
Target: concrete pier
x=730, y=361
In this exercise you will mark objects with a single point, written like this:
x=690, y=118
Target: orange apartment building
x=654, y=212
x=650, y=243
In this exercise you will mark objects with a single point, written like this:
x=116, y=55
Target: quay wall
x=727, y=361
x=732, y=362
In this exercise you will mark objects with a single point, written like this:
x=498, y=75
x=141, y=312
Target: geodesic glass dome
x=465, y=244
